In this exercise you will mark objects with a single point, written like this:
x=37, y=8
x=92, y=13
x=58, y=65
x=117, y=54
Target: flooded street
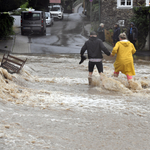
x=49, y=105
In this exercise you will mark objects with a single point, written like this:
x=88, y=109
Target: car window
x=47, y=15
x=55, y=9
x=31, y=16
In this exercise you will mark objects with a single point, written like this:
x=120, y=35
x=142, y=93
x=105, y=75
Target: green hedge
x=18, y=12
x=6, y=23
x=141, y=20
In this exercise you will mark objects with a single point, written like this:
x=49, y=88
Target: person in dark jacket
x=116, y=34
x=101, y=32
x=132, y=33
x=94, y=47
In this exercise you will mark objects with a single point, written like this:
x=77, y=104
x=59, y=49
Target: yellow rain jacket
x=124, y=60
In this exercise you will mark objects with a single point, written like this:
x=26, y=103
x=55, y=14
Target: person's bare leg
x=129, y=79
x=100, y=76
x=90, y=78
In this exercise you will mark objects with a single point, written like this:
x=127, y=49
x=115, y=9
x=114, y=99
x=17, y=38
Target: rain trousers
x=124, y=60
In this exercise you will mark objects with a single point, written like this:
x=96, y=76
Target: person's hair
x=123, y=36
x=92, y=33
x=117, y=24
x=101, y=24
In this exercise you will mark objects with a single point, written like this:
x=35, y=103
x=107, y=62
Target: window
x=125, y=4
x=147, y=2
x=55, y=9
x=31, y=16
x=128, y=4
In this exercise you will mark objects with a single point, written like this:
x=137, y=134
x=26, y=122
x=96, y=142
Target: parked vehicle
x=49, y=19
x=33, y=22
x=57, y=12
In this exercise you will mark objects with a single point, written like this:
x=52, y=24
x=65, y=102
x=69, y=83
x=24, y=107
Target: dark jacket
x=116, y=34
x=134, y=34
x=101, y=33
x=94, y=47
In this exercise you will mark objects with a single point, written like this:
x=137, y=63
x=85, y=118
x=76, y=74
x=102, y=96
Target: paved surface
x=6, y=45
x=16, y=44
x=20, y=44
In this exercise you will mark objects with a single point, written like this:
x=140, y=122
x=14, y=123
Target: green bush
x=6, y=23
x=18, y=11
x=25, y=5
x=142, y=23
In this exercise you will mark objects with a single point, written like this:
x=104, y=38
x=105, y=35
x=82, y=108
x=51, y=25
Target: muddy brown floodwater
x=49, y=105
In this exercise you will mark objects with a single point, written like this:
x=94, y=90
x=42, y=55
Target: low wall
x=17, y=21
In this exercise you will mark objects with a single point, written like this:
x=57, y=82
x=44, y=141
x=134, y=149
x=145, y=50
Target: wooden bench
x=11, y=63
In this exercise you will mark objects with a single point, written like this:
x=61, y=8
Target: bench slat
x=17, y=58
x=12, y=64
x=9, y=60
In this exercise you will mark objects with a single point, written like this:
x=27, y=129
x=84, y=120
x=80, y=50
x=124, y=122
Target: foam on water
x=121, y=85
x=13, y=89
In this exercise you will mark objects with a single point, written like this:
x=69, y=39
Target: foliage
x=95, y=7
x=142, y=23
x=18, y=11
x=39, y=4
x=108, y=36
x=9, y=5
x=6, y=23
x=25, y=5
x=94, y=26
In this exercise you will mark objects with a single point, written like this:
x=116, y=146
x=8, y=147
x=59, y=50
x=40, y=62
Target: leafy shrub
x=142, y=23
x=6, y=23
x=108, y=36
x=18, y=11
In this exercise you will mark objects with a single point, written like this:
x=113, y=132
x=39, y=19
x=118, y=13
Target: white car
x=49, y=19
x=57, y=12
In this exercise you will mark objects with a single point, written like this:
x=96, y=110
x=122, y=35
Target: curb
x=75, y=9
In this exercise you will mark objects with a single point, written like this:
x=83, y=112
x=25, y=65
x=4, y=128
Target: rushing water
x=58, y=84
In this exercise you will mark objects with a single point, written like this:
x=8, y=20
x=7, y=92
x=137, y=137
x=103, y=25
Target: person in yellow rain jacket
x=124, y=60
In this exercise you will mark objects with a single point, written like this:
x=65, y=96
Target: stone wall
x=111, y=15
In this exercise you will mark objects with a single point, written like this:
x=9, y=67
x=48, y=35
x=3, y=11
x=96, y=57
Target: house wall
x=111, y=15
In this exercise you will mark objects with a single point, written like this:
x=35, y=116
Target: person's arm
x=128, y=31
x=104, y=35
x=136, y=33
x=115, y=50
x=133, y=49
x=98, y=30
x=83, y=49
x=104, y=49
x=118, y=34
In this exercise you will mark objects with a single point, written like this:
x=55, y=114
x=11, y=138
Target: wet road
x=63, y=37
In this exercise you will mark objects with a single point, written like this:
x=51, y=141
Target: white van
x=33, y=22
x=57, y=12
